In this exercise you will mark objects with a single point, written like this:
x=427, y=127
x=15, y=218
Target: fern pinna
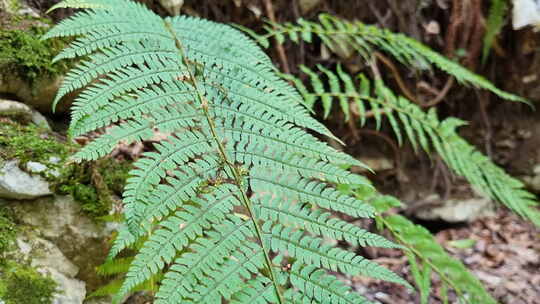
x=235, y=203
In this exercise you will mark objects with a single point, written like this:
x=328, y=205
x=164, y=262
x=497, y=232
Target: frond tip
x=238, y=188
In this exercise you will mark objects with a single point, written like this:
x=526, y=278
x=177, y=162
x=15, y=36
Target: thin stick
x=281, y=51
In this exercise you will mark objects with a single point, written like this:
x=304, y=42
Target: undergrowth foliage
x=337, y=34
x=422, y=129
x=427, y=258
x=407, y=119
x=235, y=203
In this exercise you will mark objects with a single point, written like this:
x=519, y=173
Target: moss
x=23, y=284
x=12, y=5
x=115, y=174
x=23, y=53
x=7, y=230
x=32, y=143
x=94, y=184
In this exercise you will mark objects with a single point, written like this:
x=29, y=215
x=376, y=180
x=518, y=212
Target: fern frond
x=336, y=33
x=311, y=251
x=257, y=291
x=424, y=253
x=495, y=22
x=423, y=130
x=236, y=135
x=318, y=222
x=423, y=246
x=421, y=240
x=118, y=266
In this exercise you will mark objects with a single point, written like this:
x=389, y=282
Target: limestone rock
x=17, y=184
x=454, y=210
x=172, y=6
x=47, y=259
x=533, y=181
x=60, y=220
x=58, y=217
x=38, y=95
x=526, y=12
x=22, y=113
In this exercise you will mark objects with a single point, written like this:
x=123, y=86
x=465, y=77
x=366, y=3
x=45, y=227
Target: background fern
x=239, y=189
x=495, y=22
x=406, y=119
x=424, y=130
x=364, y=39
x=426, y=257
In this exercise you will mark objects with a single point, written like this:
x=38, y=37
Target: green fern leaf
x=233, y=140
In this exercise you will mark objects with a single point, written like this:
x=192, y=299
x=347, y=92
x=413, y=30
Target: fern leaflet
x=495, y=22
x=425, y=255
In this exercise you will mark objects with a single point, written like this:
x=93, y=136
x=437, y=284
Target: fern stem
x=236, y=172
x=424, y=259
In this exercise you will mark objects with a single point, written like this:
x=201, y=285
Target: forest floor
x=503, y=255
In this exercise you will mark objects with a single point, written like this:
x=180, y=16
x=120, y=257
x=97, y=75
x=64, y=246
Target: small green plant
x=7, y=230
x=495, y=22
x=24, y=54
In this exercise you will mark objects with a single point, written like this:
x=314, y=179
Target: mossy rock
x=32, y=143
x=23, y=284
x=26, y=64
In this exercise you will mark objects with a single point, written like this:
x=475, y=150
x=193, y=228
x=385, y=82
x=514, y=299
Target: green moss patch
x=23, y=284
x=95, y=184
x=32, y=143
x=23, y=53
x=7, y=230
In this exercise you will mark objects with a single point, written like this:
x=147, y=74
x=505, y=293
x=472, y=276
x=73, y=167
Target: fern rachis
x=239, y=187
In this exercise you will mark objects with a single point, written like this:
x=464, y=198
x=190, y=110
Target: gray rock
x=172, y=6
x=35, y=167
x=533, y=181
x=22, y=112
x=72, y=291
x=57, y=217
x=17, y=184
x=454, y=210
x=60, y=220
x=39, y=94
x=47, y=259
